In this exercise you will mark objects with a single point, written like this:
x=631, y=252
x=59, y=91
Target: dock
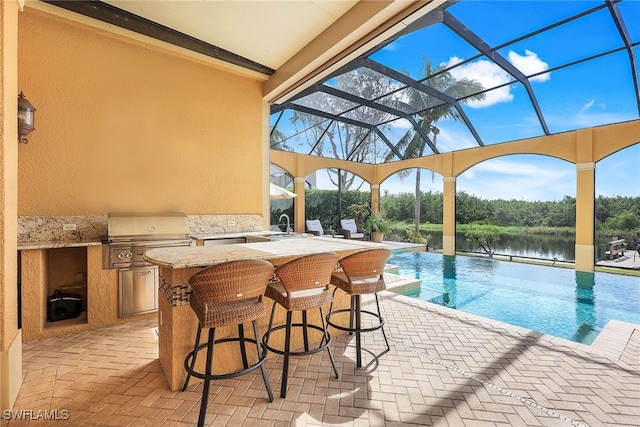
x=630, y=259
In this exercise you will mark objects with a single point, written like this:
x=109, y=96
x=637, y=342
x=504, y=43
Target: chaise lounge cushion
x=315, y=227
x=350, y=230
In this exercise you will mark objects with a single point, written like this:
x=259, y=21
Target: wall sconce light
x=26, y=117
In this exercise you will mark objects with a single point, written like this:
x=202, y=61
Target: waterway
x=534, y=246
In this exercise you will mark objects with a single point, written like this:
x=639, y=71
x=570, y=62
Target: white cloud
x=508, y=167
x=586, y=107
x=587, y=116
x=402, y=124
x=529, y=64
x=391, y=47
x=451, y=138
x=616, y=174
x=394, y=185
x=537, y=178
x=491, y=75
x=488, y=74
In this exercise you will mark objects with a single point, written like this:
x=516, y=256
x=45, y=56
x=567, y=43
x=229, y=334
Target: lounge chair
x=350, y=230
x=314, y=226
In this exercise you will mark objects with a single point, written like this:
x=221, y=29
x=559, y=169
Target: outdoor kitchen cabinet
x=38, y=265
x=138, y=290
x=67, y=274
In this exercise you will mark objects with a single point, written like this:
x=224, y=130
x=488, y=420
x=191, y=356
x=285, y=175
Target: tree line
x=614, y=213
x=611, y=213
x=471, y=209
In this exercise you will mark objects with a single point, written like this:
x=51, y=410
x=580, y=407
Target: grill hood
x=147, y=225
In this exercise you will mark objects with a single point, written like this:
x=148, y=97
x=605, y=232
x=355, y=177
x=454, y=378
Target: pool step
x=402, y=285
x=390, y=268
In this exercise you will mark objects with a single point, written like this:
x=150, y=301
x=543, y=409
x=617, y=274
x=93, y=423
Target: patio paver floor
x=445, y=368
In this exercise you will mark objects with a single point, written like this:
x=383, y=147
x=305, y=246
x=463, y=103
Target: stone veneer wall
x=219, y=224
x=91, y=228
x=49, y=228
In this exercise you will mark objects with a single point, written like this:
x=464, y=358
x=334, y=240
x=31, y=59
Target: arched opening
x=520, y=205
x=413, y=196
x=617, y=208
x=281, y=206
x=335, y=194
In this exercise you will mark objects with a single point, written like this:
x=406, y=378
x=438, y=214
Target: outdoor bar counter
x=178, y=323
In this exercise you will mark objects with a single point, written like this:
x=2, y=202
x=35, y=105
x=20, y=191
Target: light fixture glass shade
x=26, y=117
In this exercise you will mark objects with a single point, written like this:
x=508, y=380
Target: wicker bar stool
x=303, y=284
x=362, y=273
x=229, y=293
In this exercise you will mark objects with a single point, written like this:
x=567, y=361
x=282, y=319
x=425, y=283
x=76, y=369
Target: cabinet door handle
x=148, y=272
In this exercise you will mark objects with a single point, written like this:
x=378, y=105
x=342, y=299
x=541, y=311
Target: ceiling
x=266, y=32
x=255, y=34
x=285, y=43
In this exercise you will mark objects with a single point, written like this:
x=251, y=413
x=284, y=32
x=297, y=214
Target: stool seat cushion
x=214, y=315
x=358, y=286
x=302, y=299
x=303, y=283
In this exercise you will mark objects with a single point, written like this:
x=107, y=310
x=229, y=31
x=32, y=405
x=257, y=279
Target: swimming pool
x=555, y=301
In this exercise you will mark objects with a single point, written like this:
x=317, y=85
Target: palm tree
x=411, y=143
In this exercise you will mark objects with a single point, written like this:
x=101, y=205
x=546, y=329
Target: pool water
x=555, y=301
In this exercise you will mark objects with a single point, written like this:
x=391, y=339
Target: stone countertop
x=259, y=235
x=53, y=244
x=70, y=243
x=203, y=256
x=220, y=236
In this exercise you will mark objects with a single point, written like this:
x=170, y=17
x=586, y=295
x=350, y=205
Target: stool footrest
x=354, y=329
x=322, y=346
x=203, y=376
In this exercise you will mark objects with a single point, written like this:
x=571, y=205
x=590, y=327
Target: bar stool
x=362, y=273
x=303, y=284
x=229, y=293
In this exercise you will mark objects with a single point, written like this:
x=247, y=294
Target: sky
x=595, y=90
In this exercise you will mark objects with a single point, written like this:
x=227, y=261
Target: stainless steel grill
x=129, y=237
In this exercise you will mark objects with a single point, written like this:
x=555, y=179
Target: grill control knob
x=120, y=255
x=128, y=255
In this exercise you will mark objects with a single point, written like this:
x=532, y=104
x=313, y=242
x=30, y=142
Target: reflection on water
x=449, y=280
x=526, y=245
x=585, y=306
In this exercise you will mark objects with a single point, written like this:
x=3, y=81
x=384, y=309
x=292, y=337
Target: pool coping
x=611, y=342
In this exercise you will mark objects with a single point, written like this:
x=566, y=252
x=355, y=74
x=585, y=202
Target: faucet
x=288, y=227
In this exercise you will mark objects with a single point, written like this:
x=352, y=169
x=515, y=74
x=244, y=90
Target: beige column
x=266, y=200
x=375, y=198
x=585, y=216
x=449, y=216
x=298, y=204
x=10, y=335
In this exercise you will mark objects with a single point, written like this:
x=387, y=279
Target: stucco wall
x=122, y=126
x=10, y=338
